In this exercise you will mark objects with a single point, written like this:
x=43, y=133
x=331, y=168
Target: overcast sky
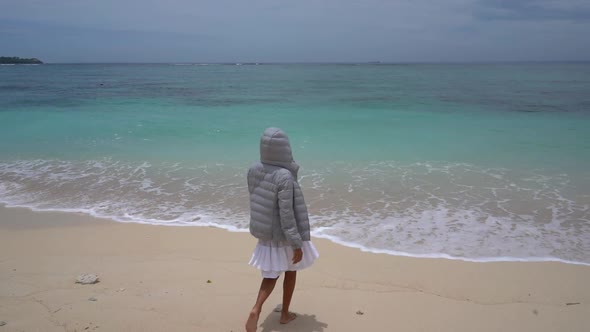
x=296, y=30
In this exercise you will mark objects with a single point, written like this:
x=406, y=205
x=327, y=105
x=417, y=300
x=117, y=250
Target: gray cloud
x=295, y=31
x=572, y=10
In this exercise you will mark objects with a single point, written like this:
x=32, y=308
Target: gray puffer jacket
x=277, y=209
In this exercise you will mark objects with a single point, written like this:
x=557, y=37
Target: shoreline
x=466, y=211
x=333, y=239
x=154, y=278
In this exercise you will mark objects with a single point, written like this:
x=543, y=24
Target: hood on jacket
x=275, y=149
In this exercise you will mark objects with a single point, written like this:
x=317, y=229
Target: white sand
x=154, y=278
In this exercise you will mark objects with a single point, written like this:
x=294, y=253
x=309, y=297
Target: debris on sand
x=87, y=279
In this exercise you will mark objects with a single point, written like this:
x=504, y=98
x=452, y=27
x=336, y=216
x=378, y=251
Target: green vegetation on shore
x=14, y=60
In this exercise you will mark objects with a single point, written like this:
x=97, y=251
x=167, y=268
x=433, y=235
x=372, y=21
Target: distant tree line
x=19, y=61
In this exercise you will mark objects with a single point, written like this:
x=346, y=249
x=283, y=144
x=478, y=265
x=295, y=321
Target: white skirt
x=274, y=257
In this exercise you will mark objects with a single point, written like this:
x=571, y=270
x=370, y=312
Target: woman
x=279, y=220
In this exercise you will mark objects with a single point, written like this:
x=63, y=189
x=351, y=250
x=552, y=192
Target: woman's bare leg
x=266, y=288
x=288, y=289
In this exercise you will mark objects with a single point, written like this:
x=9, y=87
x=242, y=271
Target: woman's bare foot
x=285, y=318
x=252, y=322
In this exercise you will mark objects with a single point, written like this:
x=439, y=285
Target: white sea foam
x=338, y=240
x=439, y=210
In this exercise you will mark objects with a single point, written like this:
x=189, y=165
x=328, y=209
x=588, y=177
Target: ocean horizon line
x=231, y=63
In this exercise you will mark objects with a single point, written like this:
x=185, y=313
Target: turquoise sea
x=480, y=162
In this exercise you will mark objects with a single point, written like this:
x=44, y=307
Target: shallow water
x=483, y=162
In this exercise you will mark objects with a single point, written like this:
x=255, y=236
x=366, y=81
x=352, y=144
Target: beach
x=174, y=278
x=436, y=153
x=442, y=197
